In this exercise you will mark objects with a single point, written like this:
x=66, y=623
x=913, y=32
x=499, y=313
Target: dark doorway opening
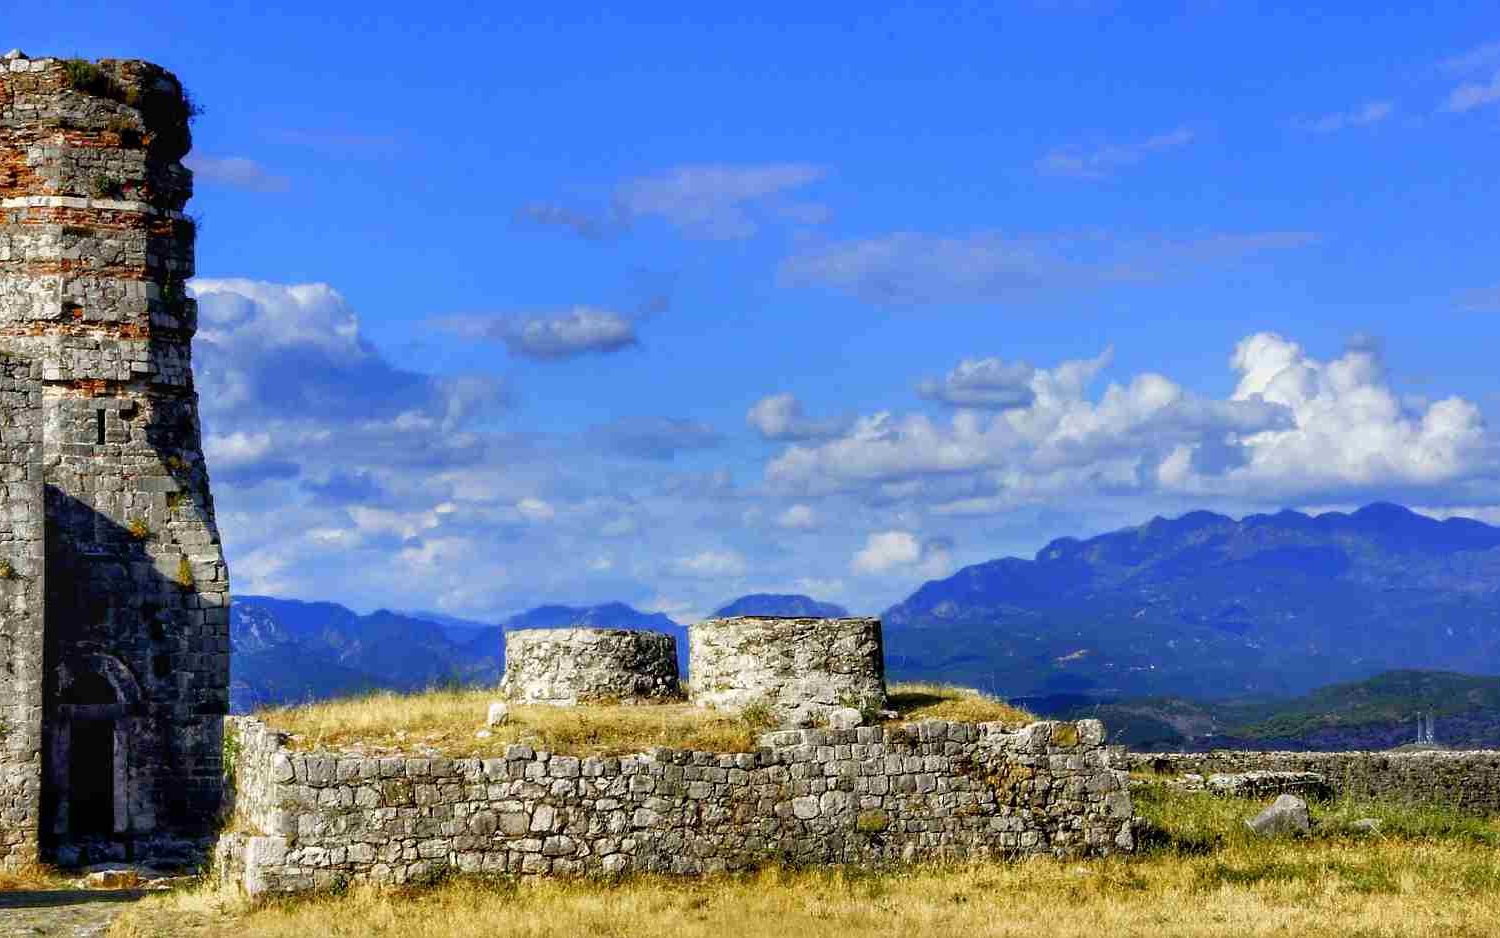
x=90, y=755
x=91, y=778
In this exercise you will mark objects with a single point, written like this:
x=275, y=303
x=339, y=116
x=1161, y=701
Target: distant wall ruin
x=1468, y=781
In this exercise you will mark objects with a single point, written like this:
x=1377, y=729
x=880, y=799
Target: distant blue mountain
x=606, y=615
x=489, y=643
x=1206, y=606
x=460, y=630
x=780, y=604
x=287, y=650
x=1200, y=606
x=1379, y=712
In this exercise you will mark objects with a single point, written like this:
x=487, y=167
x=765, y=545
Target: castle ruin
x=847, y=793
x=114, y=615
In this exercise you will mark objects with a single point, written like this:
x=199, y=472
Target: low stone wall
x=1468, y=781
x=870, y=795
x=800, y=668
x=564, y=667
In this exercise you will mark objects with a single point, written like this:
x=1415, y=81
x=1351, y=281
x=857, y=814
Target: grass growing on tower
x=914, y=702
x=447, y=718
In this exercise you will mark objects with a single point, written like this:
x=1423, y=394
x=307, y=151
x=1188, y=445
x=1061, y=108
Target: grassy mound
x=448, y=720
x=916, y=702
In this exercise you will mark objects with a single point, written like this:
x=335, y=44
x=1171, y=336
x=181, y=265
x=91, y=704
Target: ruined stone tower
x=114, y=636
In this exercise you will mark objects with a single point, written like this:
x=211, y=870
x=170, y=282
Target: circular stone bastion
x=564, y=667
x=800, y=668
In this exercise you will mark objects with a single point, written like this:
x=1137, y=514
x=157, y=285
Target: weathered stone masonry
x=116, y=661
x=932, y=790
x=799, y=668
x=564, y=667
x=22, y=555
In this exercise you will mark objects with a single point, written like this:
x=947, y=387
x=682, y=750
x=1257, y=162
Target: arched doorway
x=90, y=785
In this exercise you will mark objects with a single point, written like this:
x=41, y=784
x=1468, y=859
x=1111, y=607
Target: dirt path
x=65, y=913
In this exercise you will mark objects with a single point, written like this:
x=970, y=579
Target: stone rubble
x=844, y=718
x=1286, y=815
x=1255, y=784
x=1264, y=784
x=1365, y=825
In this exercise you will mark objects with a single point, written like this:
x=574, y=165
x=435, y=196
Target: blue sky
x=502, y=307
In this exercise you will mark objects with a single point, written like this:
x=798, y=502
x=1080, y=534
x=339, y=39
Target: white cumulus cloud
x=582, y=330
x=1104, y=161
x=798, y=518
x=887, y=551
x=1348, y=427
x=1371, y=112
x=715, y=201
x=712, y=564
x=1471, y=95
x=1294, y=425
x=983, y=382
x=237, y=172
x=780, y=417
x=535, y=509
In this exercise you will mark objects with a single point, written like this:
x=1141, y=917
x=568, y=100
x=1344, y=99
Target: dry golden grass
x=1433, y=872
x=1318, y=890
x=915, y=702
x=449, y=719
x=32, y=876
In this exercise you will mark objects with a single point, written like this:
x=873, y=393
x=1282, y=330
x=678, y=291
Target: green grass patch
x=1191, y=823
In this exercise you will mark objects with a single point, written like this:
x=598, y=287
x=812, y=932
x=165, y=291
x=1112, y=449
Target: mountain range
x=1376, y=713
x=287, y=650
x=1202, y=607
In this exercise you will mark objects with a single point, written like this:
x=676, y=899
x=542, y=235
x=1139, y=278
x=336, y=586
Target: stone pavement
x=64, y=913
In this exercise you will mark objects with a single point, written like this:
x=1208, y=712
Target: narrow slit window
x=99, y=425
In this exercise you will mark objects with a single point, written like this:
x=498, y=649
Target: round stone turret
x=564, y=667
x=801, y=668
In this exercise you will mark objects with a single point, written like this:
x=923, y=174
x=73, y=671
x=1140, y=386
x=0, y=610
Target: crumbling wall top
x=112, y=104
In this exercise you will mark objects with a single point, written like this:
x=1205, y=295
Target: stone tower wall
x=22, y=561
x=570, y=666
x=799, y=667
x=94, y=254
